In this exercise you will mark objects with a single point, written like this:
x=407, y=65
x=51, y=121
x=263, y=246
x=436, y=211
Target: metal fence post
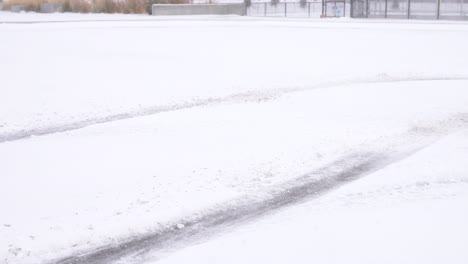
x=285, y=9
x=308, y=9
x=386, y=8
x=438, y=9
x=344, y=9
x=367, y=8
x=323, y=8
x=265, y=9
x=409, y=9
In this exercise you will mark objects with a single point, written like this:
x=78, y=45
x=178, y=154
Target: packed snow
x=113, y=129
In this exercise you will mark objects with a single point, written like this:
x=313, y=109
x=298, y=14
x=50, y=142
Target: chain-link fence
x=315, y=9
x=424, y=9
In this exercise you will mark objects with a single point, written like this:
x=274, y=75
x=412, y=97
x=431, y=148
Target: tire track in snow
x=254, y=96
x=248, y=208
x=206, y=224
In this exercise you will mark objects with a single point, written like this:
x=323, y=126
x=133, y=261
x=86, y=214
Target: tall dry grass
x=95, y=6
x=30, y=5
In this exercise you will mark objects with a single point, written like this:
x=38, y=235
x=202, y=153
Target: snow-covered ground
x=113, y=130
x=133, y=68
x=414, y=211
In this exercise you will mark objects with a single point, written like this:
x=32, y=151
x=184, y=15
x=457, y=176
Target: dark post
x=367, y=8
x=308, y=9
x=265, y=9
x=344, y=9
x=323, y=8
x=409, y=9
x=386, y=8
x=438, y=9
x=285, y=9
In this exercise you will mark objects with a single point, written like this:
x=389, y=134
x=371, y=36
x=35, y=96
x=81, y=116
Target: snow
x=161, y=120
x=414, y=211
x=170, y=63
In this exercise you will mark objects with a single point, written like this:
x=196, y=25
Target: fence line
x=408, y=9
x=323, y=8
x=402, y=9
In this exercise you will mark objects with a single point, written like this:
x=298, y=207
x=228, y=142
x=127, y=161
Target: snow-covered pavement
x=116, y=132
x=79, y=73
x=414, y=211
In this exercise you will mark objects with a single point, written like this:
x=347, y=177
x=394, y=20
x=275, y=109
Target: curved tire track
x=234, y=98
x=248, y=208
x=300, y=189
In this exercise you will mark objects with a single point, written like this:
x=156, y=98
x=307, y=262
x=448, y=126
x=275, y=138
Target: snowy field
x=134, y=139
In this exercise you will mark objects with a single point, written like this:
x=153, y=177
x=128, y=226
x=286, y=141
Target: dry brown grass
x=82, y=6
x=31, y=5
x=77, y=6
x=94, y=6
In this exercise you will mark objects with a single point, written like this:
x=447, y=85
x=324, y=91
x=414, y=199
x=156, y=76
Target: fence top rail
x=308, y=2
x=290, y=2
